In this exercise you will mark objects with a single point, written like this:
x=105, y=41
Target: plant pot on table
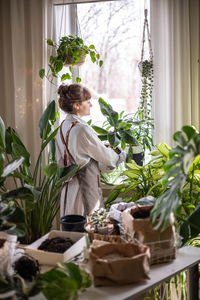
x=138, y=155
x=73, y=223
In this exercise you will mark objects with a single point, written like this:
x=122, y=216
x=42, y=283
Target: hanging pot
x=73, y=223
x=70, y=61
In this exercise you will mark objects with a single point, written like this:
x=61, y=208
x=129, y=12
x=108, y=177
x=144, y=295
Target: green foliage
x=144, y=180
x=69, y=50
x=36, y=192
x=181, y=184
x=62, y=282
x=116, y=130
x=143, y=129
x=143, y=121
x=11, y=219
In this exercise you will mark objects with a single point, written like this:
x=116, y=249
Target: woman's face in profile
x=83, y=109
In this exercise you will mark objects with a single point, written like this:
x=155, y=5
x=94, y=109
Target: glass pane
x=115, y=28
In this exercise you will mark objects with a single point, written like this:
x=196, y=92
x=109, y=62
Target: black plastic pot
x=73, y=223
x=138, y=158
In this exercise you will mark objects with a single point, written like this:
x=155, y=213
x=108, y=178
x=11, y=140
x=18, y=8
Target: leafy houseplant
x=63, y=282
x=70, y=51
x=144, y=180
x=36, y=194
x=143, y=117
x=181, y=185
x=117, y=131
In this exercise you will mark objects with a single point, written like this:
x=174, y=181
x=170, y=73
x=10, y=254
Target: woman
x=76, y=142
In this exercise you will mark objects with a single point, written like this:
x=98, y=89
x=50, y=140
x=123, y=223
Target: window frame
x=62, y=2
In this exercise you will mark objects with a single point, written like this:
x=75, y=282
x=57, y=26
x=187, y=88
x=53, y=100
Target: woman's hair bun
x=63, y=89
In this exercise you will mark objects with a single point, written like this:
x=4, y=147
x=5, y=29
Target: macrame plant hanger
x=77, y=32
x=146, y=69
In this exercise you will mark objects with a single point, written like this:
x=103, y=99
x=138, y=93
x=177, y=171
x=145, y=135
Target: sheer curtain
x=24, y=25
x=175, y=34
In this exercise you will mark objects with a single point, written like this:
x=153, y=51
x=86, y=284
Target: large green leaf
x=129, y=157
x=52, y=150
x=114, y=194
x=20, y=151
x=68, y=173
x=12, y=166
x=14, y=215
x=2, y=134
x=27, y=179
x=48, y=116
x=51, y=169
x=167, y=202
x=15, y=138
x=103, y=137
x=20, y=193
x=179, y=137
x=127, y=137
x=108, y=111
x=191, y=227
x=113, y=139
x=49, y=138
x=100, y=130
x=194, y=220
x=9, y=140
x=2, y=160
x=189, y=131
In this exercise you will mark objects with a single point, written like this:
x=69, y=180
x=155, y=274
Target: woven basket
x=69, y=61
x=111, y=238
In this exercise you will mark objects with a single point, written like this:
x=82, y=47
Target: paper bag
x=113, y=264
x=161, y=243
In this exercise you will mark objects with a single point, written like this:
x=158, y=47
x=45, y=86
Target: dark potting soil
x=141, y=214
x=2, y=241
x=58, y=245
x=27, y=267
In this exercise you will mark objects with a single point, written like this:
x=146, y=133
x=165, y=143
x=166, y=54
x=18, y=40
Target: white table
x=187, y=257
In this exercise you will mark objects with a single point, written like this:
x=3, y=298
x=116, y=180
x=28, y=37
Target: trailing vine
x=144, y=111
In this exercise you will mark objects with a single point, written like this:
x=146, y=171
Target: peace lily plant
x=36, y=194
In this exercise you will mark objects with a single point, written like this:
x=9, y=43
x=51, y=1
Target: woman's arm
x=90, y=145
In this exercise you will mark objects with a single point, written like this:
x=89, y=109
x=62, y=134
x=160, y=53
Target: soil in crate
x=57, y=244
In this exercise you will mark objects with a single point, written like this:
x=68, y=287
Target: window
x=115, y=28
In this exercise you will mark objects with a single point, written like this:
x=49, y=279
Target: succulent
x=99, y=217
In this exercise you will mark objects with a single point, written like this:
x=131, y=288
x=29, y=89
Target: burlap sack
x=161, y=243
x=113, y=264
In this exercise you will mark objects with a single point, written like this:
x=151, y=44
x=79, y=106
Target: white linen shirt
x=84, y=144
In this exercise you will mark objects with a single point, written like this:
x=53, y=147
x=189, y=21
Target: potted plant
x=116, y=130
x=100, y=222
x=36, y=193
x=70, y=51
x=181, y=185
x=101, y=227
x=143, y=132
x=144, y=112
x=144, y=180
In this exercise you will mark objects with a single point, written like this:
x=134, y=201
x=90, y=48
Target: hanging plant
x=143, y=114
x=70, y=51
